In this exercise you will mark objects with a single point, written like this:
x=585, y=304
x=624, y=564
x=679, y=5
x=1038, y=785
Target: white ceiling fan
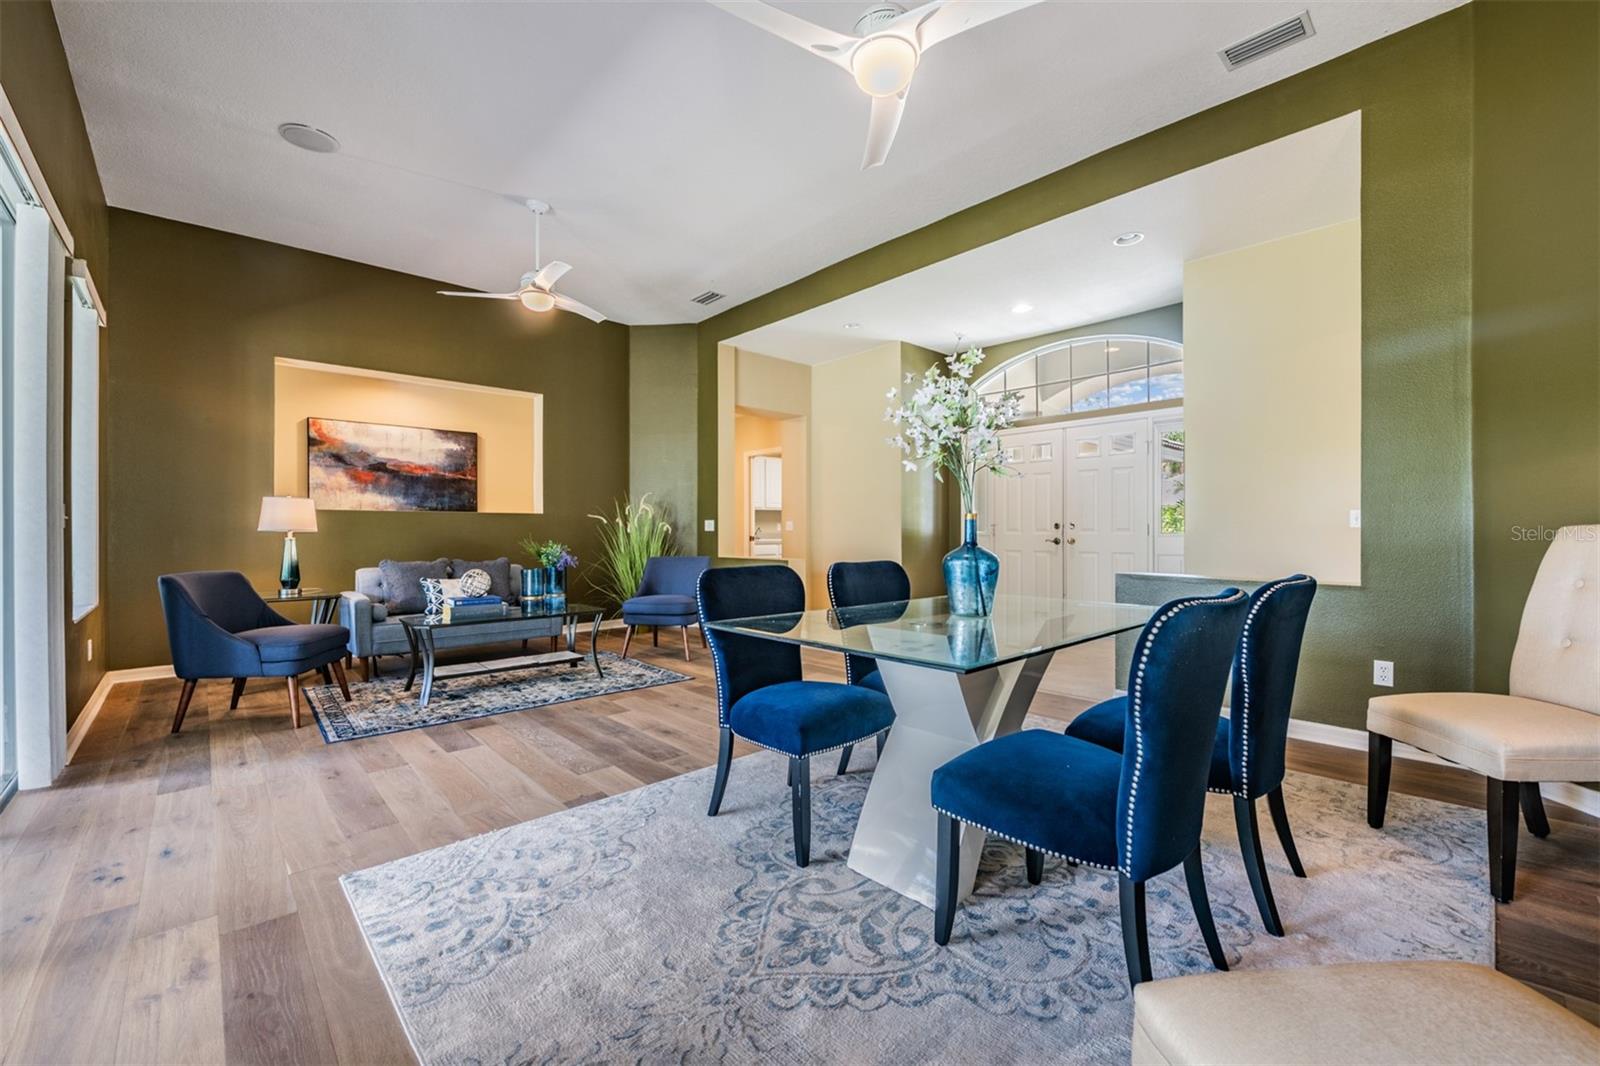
x=888, y=44
x=535, y=288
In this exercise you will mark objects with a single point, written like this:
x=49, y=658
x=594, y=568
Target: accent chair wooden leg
x=1135, y=937
x=294, y=700
x=627, y=638
x=1502, y=804
x=724, y=760
x=947, y=878
x=685, y=631
x=800, y=801
x=1195, y=874
x=344, y=682
x=1380, y=753
x=1255, y=866
x=184, y=697
x=1533, y=809
x=524, y=643
x=1034, y=860
x=1280, y=822
x=655, y=636
x=238, y=690
x=844, y=758
x=327, y=675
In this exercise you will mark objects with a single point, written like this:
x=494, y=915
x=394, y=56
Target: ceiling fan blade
x=567, y=303
x=550, y=273
x=818, y=40
x=958, y=16
x=481, y=295
x=885, y=122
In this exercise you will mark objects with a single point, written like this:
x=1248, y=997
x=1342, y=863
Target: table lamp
x=288, y=515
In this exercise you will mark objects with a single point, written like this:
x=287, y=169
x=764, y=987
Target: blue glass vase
x=971, y=573
x=533, y=585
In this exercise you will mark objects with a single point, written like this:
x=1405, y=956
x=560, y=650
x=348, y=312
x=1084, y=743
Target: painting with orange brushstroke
x=364, y=466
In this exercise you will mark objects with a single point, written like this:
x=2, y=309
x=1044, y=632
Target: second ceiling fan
x=883, y=53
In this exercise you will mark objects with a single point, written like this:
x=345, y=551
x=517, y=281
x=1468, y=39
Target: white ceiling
x=1068, y=270
x=682, y=148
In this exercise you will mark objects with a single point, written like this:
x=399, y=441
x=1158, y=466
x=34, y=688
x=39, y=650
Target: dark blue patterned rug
x=636, y=929
x=384, y=706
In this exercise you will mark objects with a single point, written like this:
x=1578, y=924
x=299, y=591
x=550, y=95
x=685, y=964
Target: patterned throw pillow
x=402, y=583
x=433, y=595
x=499, y=571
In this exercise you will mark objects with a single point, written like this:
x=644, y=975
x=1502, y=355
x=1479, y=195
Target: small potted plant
x=548, y=578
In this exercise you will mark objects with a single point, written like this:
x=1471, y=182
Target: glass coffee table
x=521, y=622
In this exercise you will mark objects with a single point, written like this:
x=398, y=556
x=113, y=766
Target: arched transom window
x=1088, y=374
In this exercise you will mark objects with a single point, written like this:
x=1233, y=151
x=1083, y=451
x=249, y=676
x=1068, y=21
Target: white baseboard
x=97, y=700
x=1566, y=793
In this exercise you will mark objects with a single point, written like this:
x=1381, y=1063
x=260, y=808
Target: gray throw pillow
x=499, y=571
x=402, y=583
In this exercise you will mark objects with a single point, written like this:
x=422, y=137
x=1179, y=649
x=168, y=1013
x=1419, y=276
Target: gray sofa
x=373, y=632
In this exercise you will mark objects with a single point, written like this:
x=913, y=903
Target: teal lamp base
x=289, y=572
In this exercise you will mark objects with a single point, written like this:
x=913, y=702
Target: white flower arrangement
x=946, y=425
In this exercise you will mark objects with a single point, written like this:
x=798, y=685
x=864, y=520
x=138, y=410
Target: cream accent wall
x=1272, y=408
x=855, y=475
x=508, y=424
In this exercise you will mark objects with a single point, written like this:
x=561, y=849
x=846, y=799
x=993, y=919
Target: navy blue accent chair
x=665, y=598
x=218, y=627
x=761, y=696
x=862, y=585
x=1138, y=811
x=1247, y=753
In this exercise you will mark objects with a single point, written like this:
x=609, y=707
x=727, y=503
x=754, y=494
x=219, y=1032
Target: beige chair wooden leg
x=183, y=705
x=294, y=701
x=344, y=683
x=685, y=631
x=627, y=638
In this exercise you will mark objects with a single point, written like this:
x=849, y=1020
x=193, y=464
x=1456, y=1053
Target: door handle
x=1072, y=540
x=1053, y=540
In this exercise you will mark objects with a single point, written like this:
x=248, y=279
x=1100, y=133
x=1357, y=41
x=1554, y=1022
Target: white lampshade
x=884, y=65
x=287, y=514
x=536, y=299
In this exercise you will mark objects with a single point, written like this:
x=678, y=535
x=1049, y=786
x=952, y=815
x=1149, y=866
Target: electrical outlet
x=1355, y=518
x=1383, y=673
x=89, y=649
x=788, y=525
x=711, y=525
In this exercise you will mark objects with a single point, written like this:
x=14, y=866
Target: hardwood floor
x=176, y=899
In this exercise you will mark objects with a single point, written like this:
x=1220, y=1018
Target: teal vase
x=971, y=573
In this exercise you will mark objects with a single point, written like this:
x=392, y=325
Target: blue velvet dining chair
x=1247, y=753
x=761, y=696
x=862, y=585
x=665, y=598
x=218, y=627
x=1139, y=811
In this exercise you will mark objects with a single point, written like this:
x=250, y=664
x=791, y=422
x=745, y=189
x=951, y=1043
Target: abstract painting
x=363, y=466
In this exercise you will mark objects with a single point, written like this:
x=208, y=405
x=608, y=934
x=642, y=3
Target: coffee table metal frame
x=419, y=635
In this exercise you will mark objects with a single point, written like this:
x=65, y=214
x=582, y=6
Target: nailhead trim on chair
x=849, y=670
x=1244, y=680
x=809, y=754
x=716, y=656
x=1126, y=858
x=1024, y=843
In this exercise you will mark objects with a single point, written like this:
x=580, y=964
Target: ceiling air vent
x=710, y=296
x=1270, y=40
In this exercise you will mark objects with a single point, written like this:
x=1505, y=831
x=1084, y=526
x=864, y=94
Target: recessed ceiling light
x=1128, y=239
x=308, y=137
x=852, y=325
x=1021, y=309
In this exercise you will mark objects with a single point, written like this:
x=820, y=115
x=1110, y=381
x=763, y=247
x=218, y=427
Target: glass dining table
x=955, y=682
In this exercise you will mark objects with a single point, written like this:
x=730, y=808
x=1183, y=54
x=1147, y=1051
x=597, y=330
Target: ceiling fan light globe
x=883, y=65
x=536, y=299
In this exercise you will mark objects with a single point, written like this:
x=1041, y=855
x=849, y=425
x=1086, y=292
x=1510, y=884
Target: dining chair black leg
x=1380, y=752
x=800, y=801
x=883, y=738
x=1280, y=822
x=1244, y=816
x=1195, y=874
x=724, y=760
x=947, y=878
x=1035, y=863
x=1503, y=817
x=1135, y=937
x=844, y=758
x=1533, y=809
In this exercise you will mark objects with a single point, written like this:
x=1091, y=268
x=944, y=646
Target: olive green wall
x=925, y=502
x=1164, y=322
x=662, y=380
x=38, y=83
x=200, y=317
x=1535, y=300
x=1414, y=91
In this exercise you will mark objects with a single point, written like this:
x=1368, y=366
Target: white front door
x=1021, y=515
x=1108, y=506
x=1168, y=519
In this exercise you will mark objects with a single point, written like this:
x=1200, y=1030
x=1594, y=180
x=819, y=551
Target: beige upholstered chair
x=1547, y=729
x=1361, y=1012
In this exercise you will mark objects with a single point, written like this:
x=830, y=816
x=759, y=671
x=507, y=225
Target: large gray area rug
x=460, y=692
x=637, y=929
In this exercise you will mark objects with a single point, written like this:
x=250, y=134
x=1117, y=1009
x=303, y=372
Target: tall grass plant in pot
x=629, y=537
